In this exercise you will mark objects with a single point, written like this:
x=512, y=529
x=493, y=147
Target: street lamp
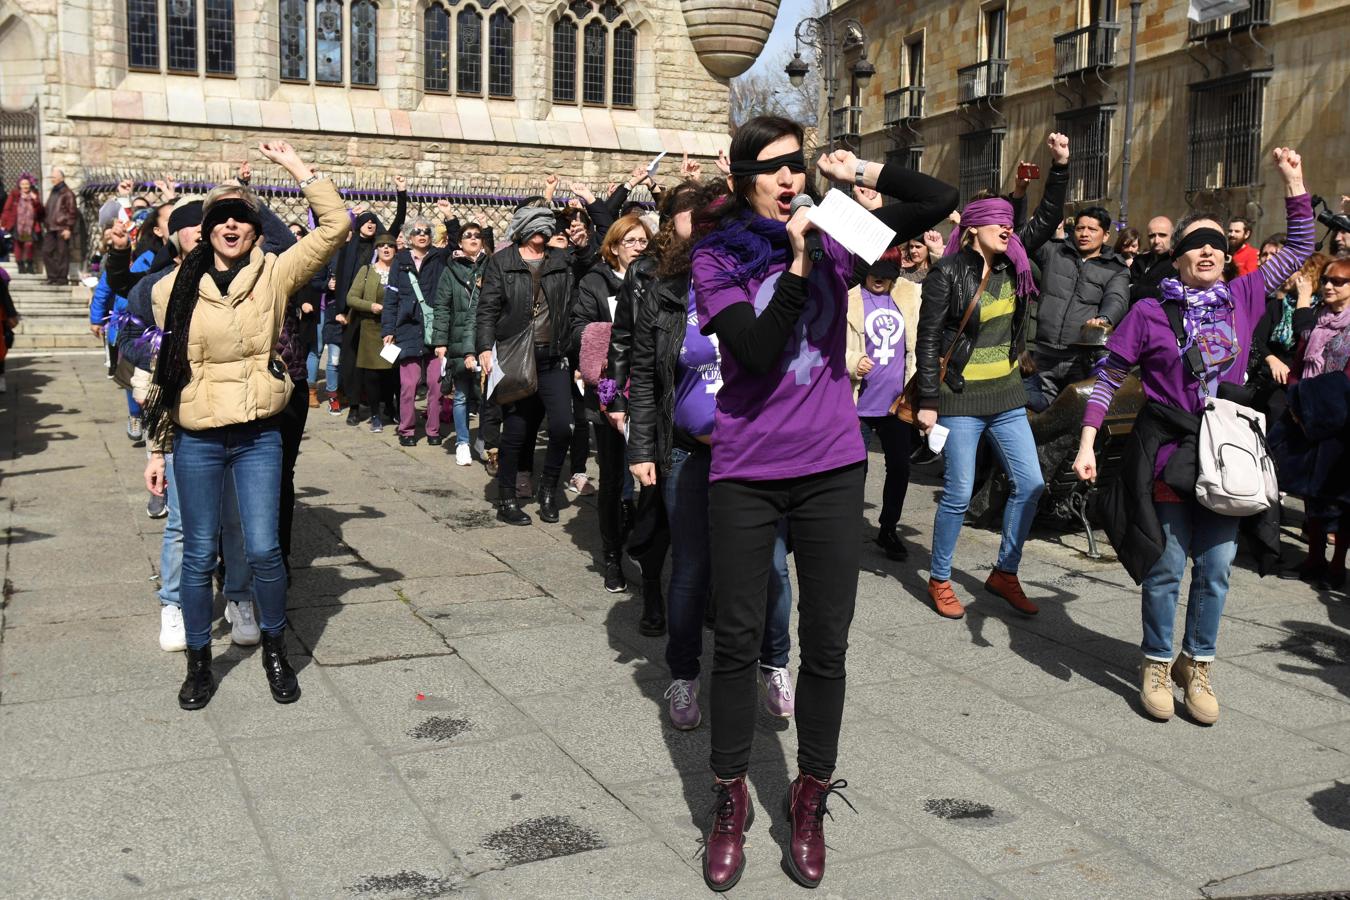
x=819, y=33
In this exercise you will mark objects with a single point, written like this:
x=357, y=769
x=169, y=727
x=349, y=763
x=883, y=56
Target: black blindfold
x=1202, y=237
x=231, y=208
x=795, y=162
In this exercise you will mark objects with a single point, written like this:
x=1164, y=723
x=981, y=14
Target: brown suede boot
x=1006, y=585
x=944, y=599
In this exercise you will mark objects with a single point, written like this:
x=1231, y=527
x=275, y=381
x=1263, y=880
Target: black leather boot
x=280, y=676
x=653, y=622
x=199, y=684
x=509, y=511
x=548, y=497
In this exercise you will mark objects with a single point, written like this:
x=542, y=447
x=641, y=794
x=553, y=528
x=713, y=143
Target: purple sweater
x=1144, y=337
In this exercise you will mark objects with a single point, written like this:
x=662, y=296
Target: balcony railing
x=1085, y=49
x=846, y=124
x=1257, y=14
x=903, y=104
x=982, y=80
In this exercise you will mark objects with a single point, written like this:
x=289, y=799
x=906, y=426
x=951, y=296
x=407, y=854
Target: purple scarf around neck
x=1330, y=325
x=997, y=211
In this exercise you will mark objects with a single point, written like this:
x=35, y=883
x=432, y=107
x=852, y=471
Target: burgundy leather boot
x=807, y=811
x=724, y=848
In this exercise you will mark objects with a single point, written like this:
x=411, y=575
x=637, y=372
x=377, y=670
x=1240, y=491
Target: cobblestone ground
x=481, y=719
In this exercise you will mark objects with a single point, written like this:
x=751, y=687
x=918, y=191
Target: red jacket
x=9, y=218
x=1246, y=259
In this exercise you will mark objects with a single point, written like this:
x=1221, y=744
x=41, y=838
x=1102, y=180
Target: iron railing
x=904, y=104
x=1085, y=49
x=981, y=163
x=1256, y=15
x=1224, y=138
x=1089, y=134
x=846, y=124
x=981, y=80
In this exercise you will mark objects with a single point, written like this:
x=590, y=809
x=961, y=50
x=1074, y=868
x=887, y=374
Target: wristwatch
x=858, y=173
x=310, y=180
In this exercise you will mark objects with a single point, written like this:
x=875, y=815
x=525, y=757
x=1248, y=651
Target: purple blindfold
x=997, y=211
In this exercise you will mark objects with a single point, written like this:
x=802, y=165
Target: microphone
x=814, y=249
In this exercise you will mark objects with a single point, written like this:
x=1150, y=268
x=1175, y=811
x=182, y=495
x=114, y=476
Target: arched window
x=469, y=52
x=363, y=43
x=181, y=36
x=607, y=46
x=501, y=38
x=219, y=37
x=436, y=49
x=564, y=61
x=328, y=41
x=143, y=34
x=294, y=40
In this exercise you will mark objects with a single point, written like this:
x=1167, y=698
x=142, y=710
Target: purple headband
x=997, y=211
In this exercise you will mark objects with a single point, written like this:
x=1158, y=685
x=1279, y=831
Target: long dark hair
x=172, y=368
x=750, y=140
x=672, y=252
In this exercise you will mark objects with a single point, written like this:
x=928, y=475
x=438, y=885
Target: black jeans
x=580, y=451
x=377, y=389
x=293, y=419
x=520, y=421
x=822, y=514
x=610, y=456
x=490, y=424
x=894, y=436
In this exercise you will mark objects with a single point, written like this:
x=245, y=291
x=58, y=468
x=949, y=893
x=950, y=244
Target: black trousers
x=895, y=437
x=490, y=424
x=520, y=421
x=609, y=454
x=822, y=513
x=377, y=389
x=580, y=451
x=293, y=419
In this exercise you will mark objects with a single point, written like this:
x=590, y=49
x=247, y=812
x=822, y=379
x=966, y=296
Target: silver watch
x=858, y=173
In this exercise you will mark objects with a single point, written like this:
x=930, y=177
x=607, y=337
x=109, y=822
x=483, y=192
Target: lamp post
x=1129, y=115
x=818, y=33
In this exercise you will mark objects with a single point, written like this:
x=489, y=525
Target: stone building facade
x=966, y=88
x=441, y=90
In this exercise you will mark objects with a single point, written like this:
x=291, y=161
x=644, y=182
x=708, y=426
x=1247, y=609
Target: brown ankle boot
x=724, y=846
x=944, y=599
x=807, y=811
x=1006, y=585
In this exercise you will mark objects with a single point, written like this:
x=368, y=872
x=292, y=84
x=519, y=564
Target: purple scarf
x=753, y=242
x=997, y=211
x=1330, y=326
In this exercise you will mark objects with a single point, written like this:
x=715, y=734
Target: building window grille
x=625, y=54
x=469, y=52
x=501, y=63
x=181, y=36
x=905, y=157
x=564, y=61
x=436, y=49
x=596, y=39
x=219, y=37
x=328, y=41
x=981, y=163
x=1255, y=15
x=1224, y=139
x=607, y=50
x=294, y=40
x=364, y=43
x=143, y=34
x=1089, y=134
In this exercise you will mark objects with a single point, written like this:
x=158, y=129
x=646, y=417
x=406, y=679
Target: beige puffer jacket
x=233, y=338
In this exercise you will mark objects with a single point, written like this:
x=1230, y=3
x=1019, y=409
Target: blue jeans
x=171, y=551
x=1017, y=451
x=133, y=408
x=685, y=491
x=312, y=358
x=465, y=386
x=250, y=455
x=330, y=359
x=1210, y=540
x=237, y=586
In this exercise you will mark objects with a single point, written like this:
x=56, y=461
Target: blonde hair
x=609, y=248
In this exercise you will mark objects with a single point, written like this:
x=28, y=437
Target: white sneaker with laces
x=243, y=624
x=172, y=635
x=463, y=456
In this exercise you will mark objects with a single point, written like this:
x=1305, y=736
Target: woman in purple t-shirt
x=785, y=444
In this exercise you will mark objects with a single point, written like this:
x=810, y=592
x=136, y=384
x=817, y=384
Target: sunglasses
x=422, y=231
x=471, y=236
x=1339, y=281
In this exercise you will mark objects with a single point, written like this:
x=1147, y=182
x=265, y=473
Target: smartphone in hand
x=1028, y=172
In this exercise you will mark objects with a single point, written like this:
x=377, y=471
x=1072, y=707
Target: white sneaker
x=577, y=483
x=463, y=457
x=243, y=626
x=524, y=489
x=172, y=635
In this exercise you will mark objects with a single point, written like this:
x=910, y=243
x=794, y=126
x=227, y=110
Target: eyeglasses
x=635, y=242
x=420, y=231
x=1339, y=281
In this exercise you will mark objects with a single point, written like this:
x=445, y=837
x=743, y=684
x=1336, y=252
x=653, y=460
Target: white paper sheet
x=850, y=223
x=389, y=353
x=495, y=376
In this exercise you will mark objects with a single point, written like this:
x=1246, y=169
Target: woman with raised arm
x=1150, y=511
x=217, y=395
x=785, y=443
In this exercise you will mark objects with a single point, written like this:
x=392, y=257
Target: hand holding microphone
x=815, y=250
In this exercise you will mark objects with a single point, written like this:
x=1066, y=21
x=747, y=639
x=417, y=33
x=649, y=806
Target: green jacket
x=367, y=291
x=455, y=308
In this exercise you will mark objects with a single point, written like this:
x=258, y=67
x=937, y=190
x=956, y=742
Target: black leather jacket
x=657, y=338
x=951, y=284
x=505, y=302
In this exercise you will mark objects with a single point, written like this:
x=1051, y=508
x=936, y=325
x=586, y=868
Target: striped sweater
x=993, y=382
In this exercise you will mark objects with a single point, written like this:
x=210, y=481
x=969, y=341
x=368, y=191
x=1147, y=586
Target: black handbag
x=514, y=356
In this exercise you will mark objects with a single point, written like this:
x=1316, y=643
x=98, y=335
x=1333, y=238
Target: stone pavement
x=481, y=719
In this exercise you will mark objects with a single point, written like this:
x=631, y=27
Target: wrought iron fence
x=981, y=80
x=904, y=103
x=19, y=151
x=1089, y=134
x=1083, y=49
x=846, y=124
x=981, y=163
x=1224, y=149
x=1256, y=15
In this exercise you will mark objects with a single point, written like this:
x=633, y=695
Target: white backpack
x=1235, y=475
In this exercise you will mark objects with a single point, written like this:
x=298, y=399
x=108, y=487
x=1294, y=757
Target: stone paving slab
x=481, y=719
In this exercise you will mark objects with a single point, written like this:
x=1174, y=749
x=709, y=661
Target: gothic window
x=436, y=49
x=606, y=44
x=219, y=37
x=294, y=40
x=363, y=43
x=564, y=61
x=469, y=52
x=328, y=41
x=143, y=34
x=501, y=37
x=181, y=33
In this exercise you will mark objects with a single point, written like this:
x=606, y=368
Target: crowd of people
x=726, y=363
